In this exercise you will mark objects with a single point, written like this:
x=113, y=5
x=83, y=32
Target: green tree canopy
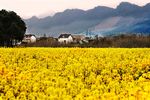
x=12, y=27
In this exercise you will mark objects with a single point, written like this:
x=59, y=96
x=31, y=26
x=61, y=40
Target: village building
x=77, y=38
x=16, y=42
x=29, y=38
x=65, y=38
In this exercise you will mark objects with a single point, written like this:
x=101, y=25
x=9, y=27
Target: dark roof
x=64, y=35
x=29, y=35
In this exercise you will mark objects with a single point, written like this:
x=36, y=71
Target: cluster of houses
x=64, y=38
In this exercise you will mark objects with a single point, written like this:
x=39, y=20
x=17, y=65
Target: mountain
x=100, y=20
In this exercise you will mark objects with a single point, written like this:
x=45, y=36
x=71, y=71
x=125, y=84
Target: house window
x=65, y=41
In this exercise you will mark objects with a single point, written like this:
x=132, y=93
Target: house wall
x=66, y=40
x=33, y=39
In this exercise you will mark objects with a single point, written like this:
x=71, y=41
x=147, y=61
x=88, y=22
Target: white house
x=65, y=38
x=29, y=38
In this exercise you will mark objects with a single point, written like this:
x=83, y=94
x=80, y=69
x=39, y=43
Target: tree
x=12, y=28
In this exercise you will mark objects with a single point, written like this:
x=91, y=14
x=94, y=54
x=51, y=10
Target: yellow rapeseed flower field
x=74, y=74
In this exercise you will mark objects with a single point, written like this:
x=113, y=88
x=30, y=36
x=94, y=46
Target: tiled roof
x=29, y=35
x=64, y=35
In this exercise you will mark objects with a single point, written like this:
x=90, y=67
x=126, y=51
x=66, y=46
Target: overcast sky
x=41, y=8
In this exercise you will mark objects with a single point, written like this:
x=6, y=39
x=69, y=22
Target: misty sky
x=41, y=8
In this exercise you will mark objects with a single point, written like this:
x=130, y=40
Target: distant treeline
x=121, y=41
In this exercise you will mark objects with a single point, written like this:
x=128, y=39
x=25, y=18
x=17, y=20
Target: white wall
x=33, y=39
x=68, y=40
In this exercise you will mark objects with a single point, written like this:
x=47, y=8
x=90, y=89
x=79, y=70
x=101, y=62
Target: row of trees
x=12, y=28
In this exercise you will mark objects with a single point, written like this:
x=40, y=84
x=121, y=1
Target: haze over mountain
x=101, y=20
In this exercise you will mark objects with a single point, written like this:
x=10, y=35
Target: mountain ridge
x=79, y=21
